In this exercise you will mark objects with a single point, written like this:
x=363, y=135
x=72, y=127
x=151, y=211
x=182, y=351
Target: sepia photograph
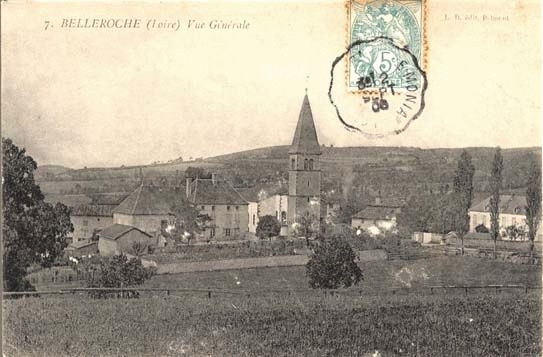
x=271, y=178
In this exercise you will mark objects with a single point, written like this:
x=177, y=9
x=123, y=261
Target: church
x=304, y=185
x=302, y=200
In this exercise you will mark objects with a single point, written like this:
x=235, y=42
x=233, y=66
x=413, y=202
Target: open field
x=271, y=311
x=231, y=325
x=378, y=275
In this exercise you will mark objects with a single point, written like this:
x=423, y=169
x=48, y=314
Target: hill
x=394, y=171
x=50, y=171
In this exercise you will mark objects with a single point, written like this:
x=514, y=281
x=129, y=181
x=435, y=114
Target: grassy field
x=272, y=311
x=378, y=275
x=317, y=325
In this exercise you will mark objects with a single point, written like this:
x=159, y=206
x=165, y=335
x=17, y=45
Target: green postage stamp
x=400, y=22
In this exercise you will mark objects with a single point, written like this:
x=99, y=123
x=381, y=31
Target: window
x=237, y=208
x=306, y=165
x=277, y=214
x=211, y=232
x=203, y=207
x=254, y=219
x=307, y=183
x=292, y=164
x=283, y=217
x=85, y=222
x=311, y=164
x=504, y=222
x=228, y=208
x=213, y=208
x=227, y=232
x=308, y=200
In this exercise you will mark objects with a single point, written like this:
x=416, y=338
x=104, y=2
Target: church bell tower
x=304, y=183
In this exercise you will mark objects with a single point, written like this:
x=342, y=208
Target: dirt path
x=258, y=262
x=230, y=264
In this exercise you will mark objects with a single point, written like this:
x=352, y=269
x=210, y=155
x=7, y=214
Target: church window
x=292, y=164
x=306, y=164
x=311, y=164
x=228, y=208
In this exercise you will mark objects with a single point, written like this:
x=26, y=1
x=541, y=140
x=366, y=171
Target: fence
x=209, y=293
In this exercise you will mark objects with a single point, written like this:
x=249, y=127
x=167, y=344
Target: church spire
x=305, y=138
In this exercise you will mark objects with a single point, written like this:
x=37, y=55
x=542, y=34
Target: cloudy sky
x=99, y=97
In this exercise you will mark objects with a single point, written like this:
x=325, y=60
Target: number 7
x=46, y=25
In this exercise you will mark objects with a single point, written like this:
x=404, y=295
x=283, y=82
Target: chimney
x=188, y=182
x=214, y=178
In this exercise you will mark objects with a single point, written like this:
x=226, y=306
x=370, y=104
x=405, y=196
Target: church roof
x=305, y=137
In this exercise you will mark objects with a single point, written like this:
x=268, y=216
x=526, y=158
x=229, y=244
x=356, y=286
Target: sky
x=110, y=97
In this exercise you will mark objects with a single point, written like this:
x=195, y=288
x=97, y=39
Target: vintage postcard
x=271, y=178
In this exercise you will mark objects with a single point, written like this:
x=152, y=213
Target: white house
x=512, y=212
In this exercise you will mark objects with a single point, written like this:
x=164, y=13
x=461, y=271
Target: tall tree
x=268, y=226
x=495, y=186
x=33, y=231
x=463, y=194
x=188, y=220
x=533, y=203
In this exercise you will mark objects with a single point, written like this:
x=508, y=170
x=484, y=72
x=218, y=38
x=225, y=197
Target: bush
x=481, y=228
x=268, y=226
x=333, y=265
x=119, y=272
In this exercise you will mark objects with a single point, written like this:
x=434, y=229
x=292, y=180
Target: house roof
x=377, y=212
x=305, y=137
x=93, y=210
x=114, y=198
x=209, y=191
x=115, y=231
x=81, y=244
x=510, y=204
x=151, y=200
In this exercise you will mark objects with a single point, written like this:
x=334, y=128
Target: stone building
x=90, y=219
x=304, y=170
x=149, y=208
x=123, y=239
x=225, y=207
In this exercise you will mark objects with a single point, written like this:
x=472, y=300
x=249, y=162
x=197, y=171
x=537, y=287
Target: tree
x=481, y=228
x=418, y=215
x=495, y=186
x=333, y=265
x=306, y=226
x=33, y=231
x=268, y=226
x=119, y=272
x=463, y=194
x=533, y=203
x=188, y=220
